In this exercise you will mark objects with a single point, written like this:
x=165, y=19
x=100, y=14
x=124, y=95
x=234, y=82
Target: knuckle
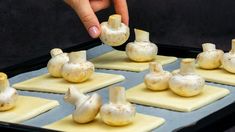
x=87, y=18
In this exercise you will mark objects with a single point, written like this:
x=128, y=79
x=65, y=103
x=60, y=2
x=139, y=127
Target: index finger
x=121, y=8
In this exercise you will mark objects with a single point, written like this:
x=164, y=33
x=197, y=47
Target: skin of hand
x=86, y=11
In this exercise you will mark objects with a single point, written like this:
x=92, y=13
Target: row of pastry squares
x=151, y=81
x=182, y=90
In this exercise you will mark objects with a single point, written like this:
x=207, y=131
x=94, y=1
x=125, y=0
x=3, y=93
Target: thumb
x=87, y=16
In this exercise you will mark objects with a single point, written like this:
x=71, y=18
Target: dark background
x=30, y=28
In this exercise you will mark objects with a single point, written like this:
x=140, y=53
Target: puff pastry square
x=168, y=100
x=217, y=75
x=142, y=123
x=26, y=108
x=118, y=60
x=46, y=83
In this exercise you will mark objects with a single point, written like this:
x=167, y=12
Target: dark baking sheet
x=174, y=120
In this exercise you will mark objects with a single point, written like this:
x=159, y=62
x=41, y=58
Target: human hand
x=86, y=11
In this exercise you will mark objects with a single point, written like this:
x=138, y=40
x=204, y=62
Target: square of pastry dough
x=47, y=83
x=168, y=100
x=26, y=108
x=118, y=60
x=217, y=75
x=142, y=123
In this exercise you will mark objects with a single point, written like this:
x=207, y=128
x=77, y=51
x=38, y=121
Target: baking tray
x=215, y=116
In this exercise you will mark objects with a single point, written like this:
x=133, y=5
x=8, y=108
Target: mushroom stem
x=74, y=96
x=114, y=21
x=55, y=51
x=117, y=95
x=233, y=46
x=4, y=83
x=77, y=57
x=187, y=66
x=208, y=47
x=141, y=35
x=155, y=67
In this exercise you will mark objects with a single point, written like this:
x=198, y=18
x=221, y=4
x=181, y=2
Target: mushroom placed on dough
x=141, y=49
x=228, y=59
x=57, y=61
x=8, y=95
x=210, y=58
x=78, y=69
x=118, y=111
x=186, y=83
x=87, y=107
x=157, y=79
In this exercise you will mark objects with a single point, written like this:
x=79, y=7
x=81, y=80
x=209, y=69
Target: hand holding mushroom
x=210, y=58
x=118, y=111
x=228, y=59
x=87, y=107
x=57, y=61
x=141, y=49
x=78, y=69
x=114, y=32
x=8, y=95
x=157, y=79
x=187, y=83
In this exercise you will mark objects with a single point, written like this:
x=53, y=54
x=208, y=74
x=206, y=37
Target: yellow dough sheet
x=168, y=100
x=217, y=75
x=26, y=108
x=142, y=123
x=118, y=60
x=46, y=83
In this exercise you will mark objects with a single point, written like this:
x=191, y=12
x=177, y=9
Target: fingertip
x=94, y=31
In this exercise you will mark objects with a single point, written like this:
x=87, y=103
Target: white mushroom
x=114, y=32
x=210, y=58
x=118, y=111
x=228, y=59
x=78, y=69
x=157, y=79
x=8, y=95
x=187, y=83
x=87, y=107
x=57, y=61
x=141, y=49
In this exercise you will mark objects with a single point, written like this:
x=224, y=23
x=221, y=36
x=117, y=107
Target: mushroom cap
x=56, y=63
x=228, y=62
x=8, y=99
x=88, y=110
x=141, y=51
x=114, y=37
x=186, y=85
x=210, y=58
x=117, y=114
x=77, y=72
x=157, y=81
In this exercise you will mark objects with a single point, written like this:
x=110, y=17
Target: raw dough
x=46, y=83
x=27, y=108
x=168, y=100
x=217, y=75
x=119, y=61
x=142, y=123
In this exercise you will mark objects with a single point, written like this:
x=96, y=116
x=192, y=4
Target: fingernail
x=93, y=31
